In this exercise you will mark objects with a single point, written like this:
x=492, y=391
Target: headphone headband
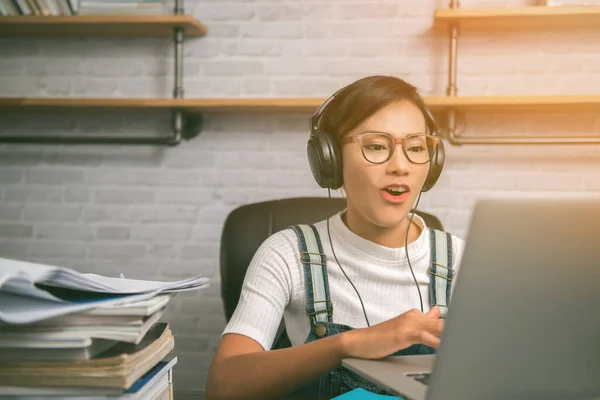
x=325, y=159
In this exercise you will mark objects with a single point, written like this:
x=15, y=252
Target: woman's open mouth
x=395, y=194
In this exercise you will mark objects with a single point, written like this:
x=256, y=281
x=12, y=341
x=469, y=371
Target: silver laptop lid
x=524, y=321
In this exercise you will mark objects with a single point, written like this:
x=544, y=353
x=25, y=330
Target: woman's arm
x=242, y=370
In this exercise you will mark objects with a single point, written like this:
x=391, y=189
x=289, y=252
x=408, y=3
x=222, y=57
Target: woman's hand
x=386, y=338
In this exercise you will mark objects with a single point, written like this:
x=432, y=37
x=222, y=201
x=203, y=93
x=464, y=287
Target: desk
x=199, y=395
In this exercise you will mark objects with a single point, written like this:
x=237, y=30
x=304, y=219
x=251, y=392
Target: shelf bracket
x=452, y=88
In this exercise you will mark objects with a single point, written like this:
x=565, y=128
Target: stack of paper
x=64, y=333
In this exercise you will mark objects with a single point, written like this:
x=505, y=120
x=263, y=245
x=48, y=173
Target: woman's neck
x=393, y=237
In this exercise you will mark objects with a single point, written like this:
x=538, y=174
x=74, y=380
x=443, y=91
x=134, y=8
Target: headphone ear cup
x=325, y=160
x=435, y=167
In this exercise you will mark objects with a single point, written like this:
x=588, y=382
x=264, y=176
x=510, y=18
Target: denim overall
x=320, y=308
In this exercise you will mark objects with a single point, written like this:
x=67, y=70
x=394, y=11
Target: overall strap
x=441, y=273
x=318, y=302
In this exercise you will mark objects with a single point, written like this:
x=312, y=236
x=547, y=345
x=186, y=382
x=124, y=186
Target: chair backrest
x=247, y=226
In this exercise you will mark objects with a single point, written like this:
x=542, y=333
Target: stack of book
x=122, y=7
x=69, y=335
x=82, y=7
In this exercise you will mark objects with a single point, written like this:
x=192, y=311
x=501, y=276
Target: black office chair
x=247, y=226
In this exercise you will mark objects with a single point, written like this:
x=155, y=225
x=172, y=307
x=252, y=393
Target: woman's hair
x=363, y=98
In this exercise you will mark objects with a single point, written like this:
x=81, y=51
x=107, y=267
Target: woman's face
x=368, y=185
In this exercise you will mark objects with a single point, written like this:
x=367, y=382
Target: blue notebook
x=362, y=394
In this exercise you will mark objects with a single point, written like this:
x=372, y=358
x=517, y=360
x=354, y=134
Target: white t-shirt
x=274, y=284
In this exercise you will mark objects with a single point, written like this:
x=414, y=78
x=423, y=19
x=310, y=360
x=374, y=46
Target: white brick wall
x=158, y=212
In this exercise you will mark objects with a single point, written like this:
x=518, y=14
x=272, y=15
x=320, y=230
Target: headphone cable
x=406, y=249
x=336, y=259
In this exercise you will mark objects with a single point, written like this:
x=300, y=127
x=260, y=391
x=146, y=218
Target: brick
x=214, y=213
x=50, y=213
x=183, y=196
x=12, y=86
x=221, y=12
x=355, y=68
x=233, y=68
x=55, y=86
x=207, y=232
x=13, y=249
x=238, y=129
x=8, y=231
x=169, y=214
x=280, y=31
x=10, y=67
x=232, y=196
x=280, y=12
x=360, y=30
x=167, y=178
x=546, y=182
x=162, y=251
x=252, y=48
x=57, y=249
x=117, y=250
x=187, y=159
x=33, y=194
x=195, y=252
x=163, y=233
x=305, y=87
x=10, y=176
x=9, y=212
x=77, y=195
x=101, y=87
x=243, y=160
x=106, y=67
x=214, y=86
x=141, y=87
x=66, y=232
x=52, y=67
x=287, y=179
x=257, y=86
x=64, y=158
x=314, y=48
x=124, y=196
x=118, y=213
x=55, y=176
x=196, y=52
x=112, y=232
x=13, y=157
x=239, y=178
x=223, y=30
x=112, y=176
x=360, y=11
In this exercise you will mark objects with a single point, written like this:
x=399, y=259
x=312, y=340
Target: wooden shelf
x=548, y=103
x=541, y=103
x=554, y=17
x=190, y=105
x=100, y=25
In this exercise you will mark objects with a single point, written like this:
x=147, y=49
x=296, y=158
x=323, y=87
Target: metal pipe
x=82, y=140
x=452, y=89
x=455, y=139
x=178, y=7
x=178, y=70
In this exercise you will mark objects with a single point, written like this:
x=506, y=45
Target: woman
x=374, y=252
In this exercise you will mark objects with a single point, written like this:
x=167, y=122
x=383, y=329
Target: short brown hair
x=361, y=99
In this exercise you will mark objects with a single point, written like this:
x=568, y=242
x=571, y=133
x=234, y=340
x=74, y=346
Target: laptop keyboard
x=423, y=378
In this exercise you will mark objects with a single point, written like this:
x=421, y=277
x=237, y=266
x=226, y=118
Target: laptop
x=524, y=320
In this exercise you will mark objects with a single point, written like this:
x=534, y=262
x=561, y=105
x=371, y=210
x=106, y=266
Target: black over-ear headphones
x=325, y=157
